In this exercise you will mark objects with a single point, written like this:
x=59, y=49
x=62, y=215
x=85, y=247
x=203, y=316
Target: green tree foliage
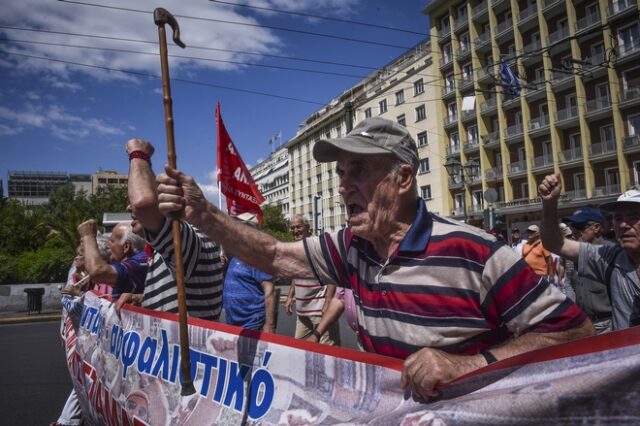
x=37, y=243
x=20, y=228
x=275, y=224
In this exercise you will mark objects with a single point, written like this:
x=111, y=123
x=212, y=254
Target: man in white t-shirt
x=310, y=296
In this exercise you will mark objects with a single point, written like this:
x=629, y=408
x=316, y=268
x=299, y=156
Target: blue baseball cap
x=585, y=214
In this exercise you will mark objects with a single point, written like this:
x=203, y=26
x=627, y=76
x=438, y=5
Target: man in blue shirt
x=248, y=297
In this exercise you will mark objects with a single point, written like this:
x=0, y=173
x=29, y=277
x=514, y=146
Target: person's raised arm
x=177, y=191
x=142, y=185
x=99, y=270
x=425, y=369
x=550, y=234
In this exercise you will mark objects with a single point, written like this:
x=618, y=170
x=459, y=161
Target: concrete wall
x=14, y=299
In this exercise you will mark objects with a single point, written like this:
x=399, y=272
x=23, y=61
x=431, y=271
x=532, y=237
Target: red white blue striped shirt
x=448, y=285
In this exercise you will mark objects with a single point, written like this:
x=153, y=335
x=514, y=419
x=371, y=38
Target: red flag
x=235, y=180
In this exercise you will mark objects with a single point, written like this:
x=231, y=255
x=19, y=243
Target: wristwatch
x=316, y=333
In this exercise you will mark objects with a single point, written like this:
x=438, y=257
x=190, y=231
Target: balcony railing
x=468, y=114
x=533, y=46
x=453, y=149
x=448, y=89
x=558, y=35
x=491, y=138
x=471, y=145
x=602, y=191
x=558, y=76
x=575, y=194
x=602, y=148
x=539, y=122
x=482, y=39
x=596, y=105
x=528, y=12
x=566, y=114
x=463, y=50
x=571, y=154
x=479, y=9
x=543, y=161
x=493, y=173
x=503, y=26
x=588, y=21
x=632, y=141
x=488, y=104
x=517, y=167
x=549, y=3
x=444, y=32
x=513, y=131
x=446, y=60
x=465, y=81
x=450, y=120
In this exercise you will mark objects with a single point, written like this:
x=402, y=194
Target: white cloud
x=9, y=131
x=210, y=190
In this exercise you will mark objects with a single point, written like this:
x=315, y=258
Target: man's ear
x=405, y=178
x=127, y=248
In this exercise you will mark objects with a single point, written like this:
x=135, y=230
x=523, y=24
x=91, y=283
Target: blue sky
x=61, y=116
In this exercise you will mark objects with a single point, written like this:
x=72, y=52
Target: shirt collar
x=419, y=233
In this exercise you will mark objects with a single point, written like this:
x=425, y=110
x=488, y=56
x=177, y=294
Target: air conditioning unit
x=534, y=125
x=491, y=174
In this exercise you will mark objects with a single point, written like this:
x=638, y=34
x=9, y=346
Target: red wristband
x=140, y=154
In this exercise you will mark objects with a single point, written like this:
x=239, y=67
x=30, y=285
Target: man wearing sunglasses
x=592, y=295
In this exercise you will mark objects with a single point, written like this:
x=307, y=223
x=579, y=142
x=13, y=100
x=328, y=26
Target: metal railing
x=587, y=21
x=602, y=148
x=567, y=113
x=513, y=131
x=503, y=26
x=539, y=122
x=571, y=154
x=596, y=105
x=558, y=35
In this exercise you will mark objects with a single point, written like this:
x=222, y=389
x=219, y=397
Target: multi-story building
x=577, y=113
x=272, y=178
x=34, y=187
x=399, y=91
x=105, y=178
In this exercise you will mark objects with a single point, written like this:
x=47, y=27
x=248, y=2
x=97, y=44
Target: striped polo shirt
x=448, y=286
x=202, y=273
x=310, y=296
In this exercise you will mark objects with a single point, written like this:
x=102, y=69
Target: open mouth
x=353, y=210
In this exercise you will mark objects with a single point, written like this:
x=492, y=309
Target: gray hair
x=102, y=241
x=137, y=242
x=300, y=216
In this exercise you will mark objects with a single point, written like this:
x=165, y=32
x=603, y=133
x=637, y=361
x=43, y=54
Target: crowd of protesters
x=444, y=296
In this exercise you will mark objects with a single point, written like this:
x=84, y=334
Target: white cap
x=533, y=228
x=631, y=196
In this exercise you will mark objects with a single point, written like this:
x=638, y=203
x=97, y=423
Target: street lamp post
x=467, y=173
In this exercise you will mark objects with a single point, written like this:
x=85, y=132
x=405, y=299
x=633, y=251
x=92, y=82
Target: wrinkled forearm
x=531, y=341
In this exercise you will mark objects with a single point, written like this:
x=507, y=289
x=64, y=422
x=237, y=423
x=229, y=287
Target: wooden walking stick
x=161, y=17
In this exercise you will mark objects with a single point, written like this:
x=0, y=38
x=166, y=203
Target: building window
x=424, y=165
x=421, y=113
x=400, y=97
x=425, y=192
x=418, y=87
x=402, y=120
x=422, y=139
x=367, y=113
x=383, y=106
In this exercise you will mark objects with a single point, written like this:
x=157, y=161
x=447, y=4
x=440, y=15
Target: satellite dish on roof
x=490, y=195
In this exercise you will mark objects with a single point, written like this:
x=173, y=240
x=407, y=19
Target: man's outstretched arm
x=180, y=193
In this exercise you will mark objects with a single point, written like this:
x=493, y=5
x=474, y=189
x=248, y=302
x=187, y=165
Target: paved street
x=34, y=380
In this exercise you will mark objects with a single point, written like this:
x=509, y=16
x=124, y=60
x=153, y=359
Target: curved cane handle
x=162, y=16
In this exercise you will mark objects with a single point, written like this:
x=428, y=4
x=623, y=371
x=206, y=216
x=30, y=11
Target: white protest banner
x=126, y=372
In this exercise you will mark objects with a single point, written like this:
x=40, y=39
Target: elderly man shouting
x=444, y=296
